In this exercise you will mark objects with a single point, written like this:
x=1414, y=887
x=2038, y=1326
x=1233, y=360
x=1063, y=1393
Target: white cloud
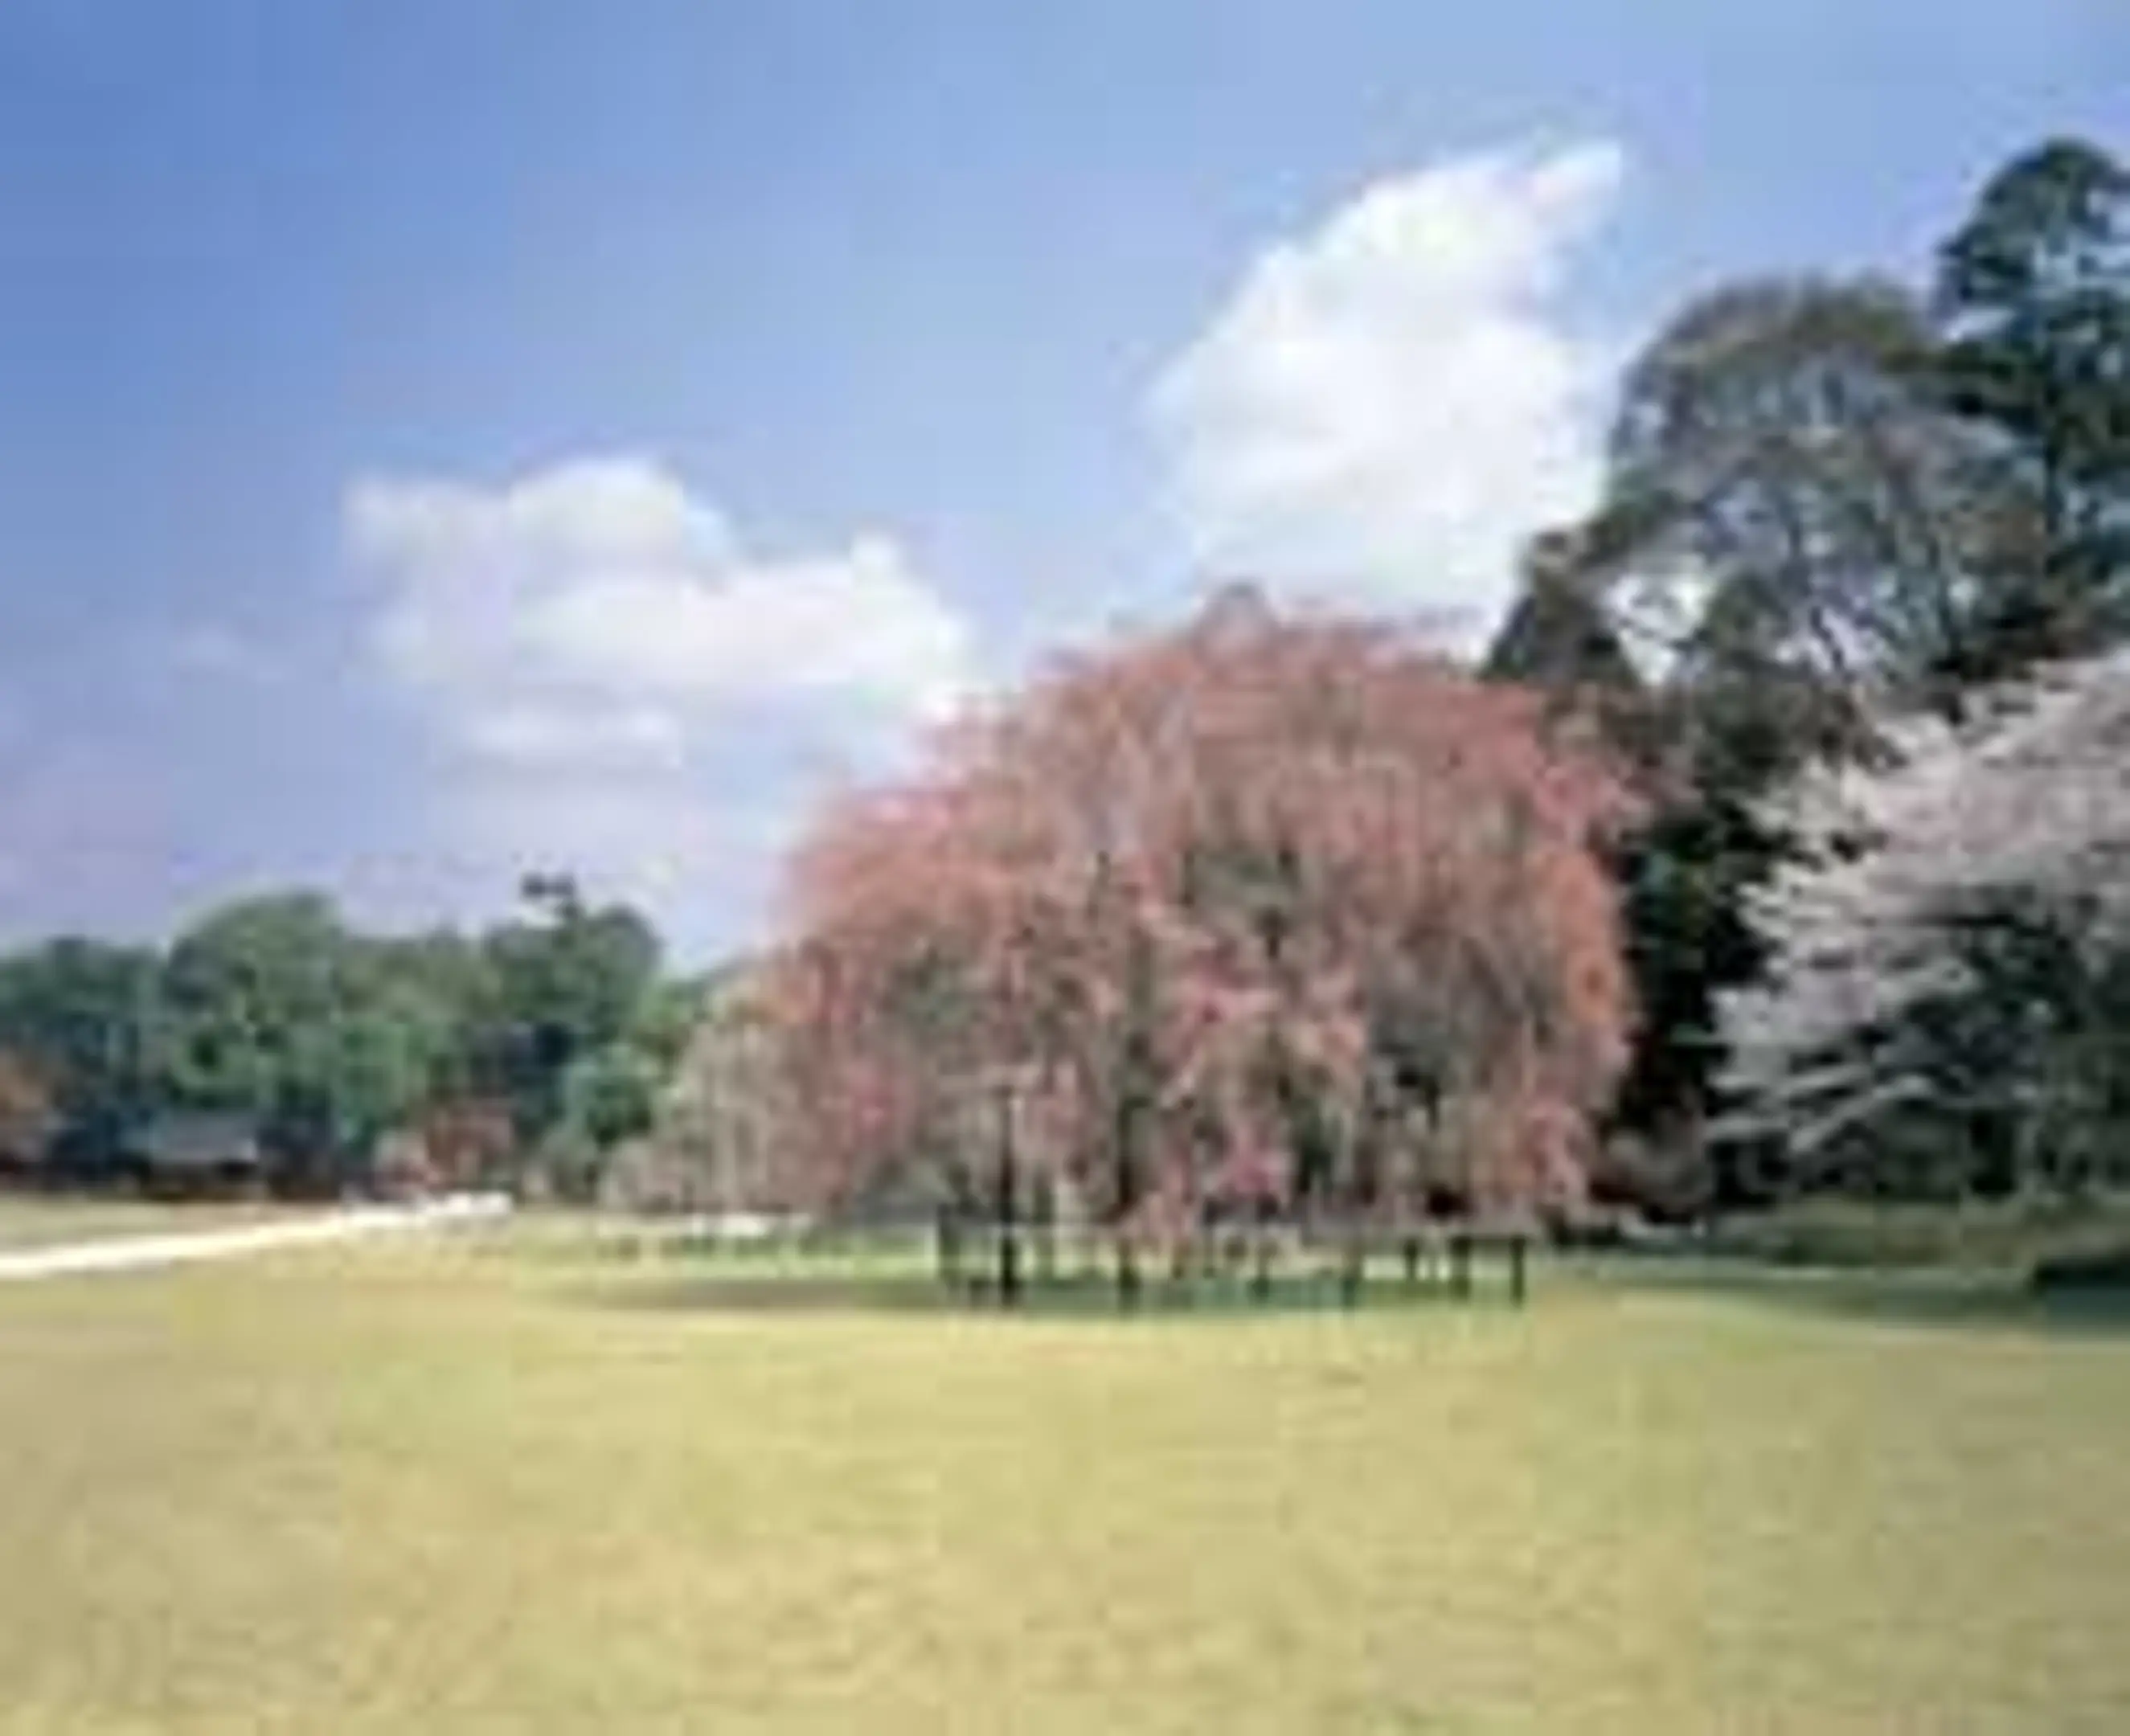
x=1387, y=405
x=626, y=691
x=596, y=612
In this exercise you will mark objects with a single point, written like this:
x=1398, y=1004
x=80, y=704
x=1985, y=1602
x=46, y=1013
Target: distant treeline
x=531, y=1049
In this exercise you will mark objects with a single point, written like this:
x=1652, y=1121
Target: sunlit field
x=449, y=1485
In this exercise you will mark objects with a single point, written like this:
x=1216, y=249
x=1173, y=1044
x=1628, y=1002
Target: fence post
x=1046, y=1245
x=948, y=1232
x=1353, y=1265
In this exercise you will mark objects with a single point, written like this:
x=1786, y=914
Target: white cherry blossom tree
x=1949, y=937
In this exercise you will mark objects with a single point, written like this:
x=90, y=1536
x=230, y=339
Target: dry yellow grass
x=424, y=1488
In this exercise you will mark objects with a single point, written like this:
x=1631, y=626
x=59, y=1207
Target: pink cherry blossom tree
x=1272, y=914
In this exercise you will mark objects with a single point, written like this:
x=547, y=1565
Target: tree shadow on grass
x=1075, y=1297
x=1944, y=1299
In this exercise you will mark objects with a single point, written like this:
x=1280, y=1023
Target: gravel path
x=132, y=1253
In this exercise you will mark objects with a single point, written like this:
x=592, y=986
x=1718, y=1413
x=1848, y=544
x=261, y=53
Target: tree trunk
x=1460, y=1262
x=1182, y=1263
x=1008, y=1207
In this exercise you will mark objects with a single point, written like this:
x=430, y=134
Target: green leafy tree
x=275, y=1008
x=2034, y=292
x=1787, y=496
x=554, y=990
x=612, y=1094
x=86, y=1016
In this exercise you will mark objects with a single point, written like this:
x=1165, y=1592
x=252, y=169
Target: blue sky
x=438, y=437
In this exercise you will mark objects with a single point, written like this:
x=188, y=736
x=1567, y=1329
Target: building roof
x=182, y=1139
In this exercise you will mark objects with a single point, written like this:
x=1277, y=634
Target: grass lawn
x=432, y=1487
x=29, y=1220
